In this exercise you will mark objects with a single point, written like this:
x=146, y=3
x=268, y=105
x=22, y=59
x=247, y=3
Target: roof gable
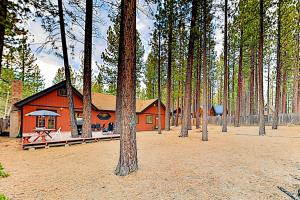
x=100, y=101
x=47, y=91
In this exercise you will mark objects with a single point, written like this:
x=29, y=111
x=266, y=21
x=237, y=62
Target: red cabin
x=103, y=110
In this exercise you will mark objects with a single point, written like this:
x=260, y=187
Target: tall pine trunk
x=126, y=87
x=225, y=96
x=204, y=66
x=3, y=14
x=177, y=109
x=158, y=82
x=284, y=90
x=252, y=73
x=198, y=84
x=278, y=71
x=188, y=84
x=260, y=67
x=232, y=88
x=169, y=70
x=74, y=131
x=240, y=84
x=87, y=71
x=295, y=107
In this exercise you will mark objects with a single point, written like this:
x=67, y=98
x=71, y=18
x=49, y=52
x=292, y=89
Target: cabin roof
x=100, y=101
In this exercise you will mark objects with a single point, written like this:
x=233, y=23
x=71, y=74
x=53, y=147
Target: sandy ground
x=236, y=165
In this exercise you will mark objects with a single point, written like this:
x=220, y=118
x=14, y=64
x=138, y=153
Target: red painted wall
x=59, y=104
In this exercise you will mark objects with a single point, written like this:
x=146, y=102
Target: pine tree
x=126, y=85
x=74, y=131
x=188, y=84
x=110, y=56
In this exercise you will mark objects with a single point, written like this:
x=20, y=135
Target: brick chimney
x=16, y=95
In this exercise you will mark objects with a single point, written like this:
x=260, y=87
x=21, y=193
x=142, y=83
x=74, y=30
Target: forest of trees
x=255, y=71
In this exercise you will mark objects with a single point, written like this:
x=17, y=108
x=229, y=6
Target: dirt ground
x=236, y=165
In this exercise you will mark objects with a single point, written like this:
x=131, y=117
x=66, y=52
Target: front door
x=156, y=122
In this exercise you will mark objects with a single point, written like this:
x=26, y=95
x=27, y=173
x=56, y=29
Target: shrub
x=3, y=197
x=3, y=174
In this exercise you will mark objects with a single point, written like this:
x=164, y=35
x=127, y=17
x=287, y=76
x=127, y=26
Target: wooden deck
x=67, y=141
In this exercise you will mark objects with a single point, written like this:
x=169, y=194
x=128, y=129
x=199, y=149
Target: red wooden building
x=103, y=110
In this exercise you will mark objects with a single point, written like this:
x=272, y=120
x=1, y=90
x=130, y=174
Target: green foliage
x=3, y=174
x=60, y=76
x=3, y=197
x=110, y=58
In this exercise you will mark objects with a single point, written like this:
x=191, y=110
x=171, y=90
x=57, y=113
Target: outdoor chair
x=57, y=133
x=93, y=127
x=98, y=127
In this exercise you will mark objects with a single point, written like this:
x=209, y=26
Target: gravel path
x=236, y=165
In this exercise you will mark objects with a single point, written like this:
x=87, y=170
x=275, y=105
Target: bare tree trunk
x=198, y=85
x=87, y=71
x=278, y=70
x=169, y=69
x=225, y=96
x=240, y=82
x=126, y=86
x=188, y=85
x=260, y=67
x=177, y=110
x=255, y=86
x=3, y=13
x=204, y=66
x=74, y=131
x=268, y=91
x=284, y=89
x=295, y=108
x=252, y=81
x=232, y=88
x=158, y=82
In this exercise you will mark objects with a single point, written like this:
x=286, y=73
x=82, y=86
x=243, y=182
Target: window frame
x=37, y=124
x=147, y=119
x=60, y=94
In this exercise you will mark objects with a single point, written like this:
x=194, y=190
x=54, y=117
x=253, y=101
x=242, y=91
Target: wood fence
x=252, y=120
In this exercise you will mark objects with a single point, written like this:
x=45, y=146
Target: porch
x=63, y=139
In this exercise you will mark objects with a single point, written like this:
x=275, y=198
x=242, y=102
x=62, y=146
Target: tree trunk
x=204, y=66
x=177, y=110
x=240, y=82
x=126, y=87
x=198, y=84
x=295, y=107
x=69, y=88
x=87, y=71
x=252, y=80
x=284, y=90
x=225, y=96
x=3, y=13
x=158, y=82
x=268, y=90
x=260, y=67
x=278, y=71
x=232, y=88
x=169, y=69
x=188, y=84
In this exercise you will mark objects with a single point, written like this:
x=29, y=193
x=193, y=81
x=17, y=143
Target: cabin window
x=62, y=92
x=51, y=122
x=149, y=119
x=137, y=119
x=40, y=121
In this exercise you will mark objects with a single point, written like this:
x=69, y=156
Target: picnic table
x=42, y=133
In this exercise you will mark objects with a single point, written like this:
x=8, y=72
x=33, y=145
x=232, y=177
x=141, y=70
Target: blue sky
x=49, y=63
